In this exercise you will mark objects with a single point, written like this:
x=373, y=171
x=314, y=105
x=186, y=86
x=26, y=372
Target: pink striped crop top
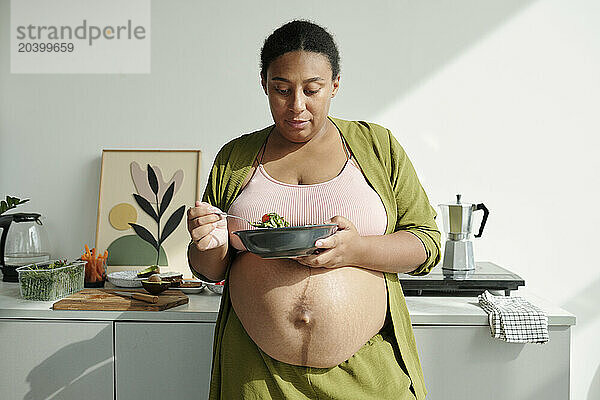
x=348, y=195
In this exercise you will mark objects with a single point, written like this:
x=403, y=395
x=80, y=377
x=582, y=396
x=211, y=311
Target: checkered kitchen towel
x=514, y=319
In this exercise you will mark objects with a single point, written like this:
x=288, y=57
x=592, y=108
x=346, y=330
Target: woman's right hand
x=207, y=229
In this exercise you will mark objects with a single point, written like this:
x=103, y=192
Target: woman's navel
x=301, y=317
x=302, y=321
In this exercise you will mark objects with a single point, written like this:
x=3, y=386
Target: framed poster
x=142, y=204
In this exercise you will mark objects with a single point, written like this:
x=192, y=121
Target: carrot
x=101, y=267
x=101, y=271
x=95, y=261
x=104, y=262
x=92, y=271
x=87, y=271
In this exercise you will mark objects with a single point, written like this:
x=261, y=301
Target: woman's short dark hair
x=299, y=35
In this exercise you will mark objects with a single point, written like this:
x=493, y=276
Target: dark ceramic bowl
x=285, y=242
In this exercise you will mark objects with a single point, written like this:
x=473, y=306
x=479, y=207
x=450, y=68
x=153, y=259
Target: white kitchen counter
x=460, y=359
x=204, y=307
x=466, y=310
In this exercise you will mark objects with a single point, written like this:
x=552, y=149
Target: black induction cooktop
x=442, y=282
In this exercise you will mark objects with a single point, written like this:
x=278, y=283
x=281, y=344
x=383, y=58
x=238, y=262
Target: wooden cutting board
x=104, y=300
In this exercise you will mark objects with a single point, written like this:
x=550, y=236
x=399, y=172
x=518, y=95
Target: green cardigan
x=389, y=172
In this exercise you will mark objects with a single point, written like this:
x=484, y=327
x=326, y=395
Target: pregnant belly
x=314, y=317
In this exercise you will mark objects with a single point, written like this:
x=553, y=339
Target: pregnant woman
x=332, y=325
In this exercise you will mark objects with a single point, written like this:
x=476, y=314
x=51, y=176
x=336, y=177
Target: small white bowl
x=192, y=290
x=218, y=289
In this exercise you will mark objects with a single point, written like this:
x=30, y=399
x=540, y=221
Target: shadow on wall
x=594, y=392
x=584, y=305
x=414, y=39
x=90, y=183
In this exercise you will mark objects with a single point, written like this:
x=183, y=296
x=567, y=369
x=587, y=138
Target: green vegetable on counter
x=50, y=281
x=53, y=265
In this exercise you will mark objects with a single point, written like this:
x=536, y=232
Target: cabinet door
x=465, y=362
x=56, y=359
x=163, y=360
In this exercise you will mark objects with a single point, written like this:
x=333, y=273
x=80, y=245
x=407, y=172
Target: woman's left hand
x=337, y=250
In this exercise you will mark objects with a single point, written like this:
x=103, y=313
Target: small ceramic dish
x=197, y=288
x=166, y=276
x=213, y=287
x=125, y=279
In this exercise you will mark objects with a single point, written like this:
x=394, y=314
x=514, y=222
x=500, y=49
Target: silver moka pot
x=458, y=221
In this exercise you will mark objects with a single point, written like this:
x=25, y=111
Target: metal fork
x=255, y=224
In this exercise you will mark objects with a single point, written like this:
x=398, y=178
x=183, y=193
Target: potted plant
x=10, y=203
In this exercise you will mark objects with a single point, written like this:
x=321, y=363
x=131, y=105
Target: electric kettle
x=23, y=241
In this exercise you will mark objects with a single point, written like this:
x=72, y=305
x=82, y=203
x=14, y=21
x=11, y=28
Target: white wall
x=494, y=100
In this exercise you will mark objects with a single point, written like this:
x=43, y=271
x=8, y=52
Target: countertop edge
x=113, y=316
x=440, y=311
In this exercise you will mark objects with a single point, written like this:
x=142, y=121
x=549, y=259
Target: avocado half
x=153, y=269
x=156, y=287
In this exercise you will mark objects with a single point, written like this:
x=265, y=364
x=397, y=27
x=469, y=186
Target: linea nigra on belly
x=301, y=319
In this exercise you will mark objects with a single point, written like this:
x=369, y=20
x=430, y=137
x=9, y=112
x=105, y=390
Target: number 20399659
x=46, y=47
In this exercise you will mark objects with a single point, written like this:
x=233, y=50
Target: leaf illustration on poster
x=142, y=184
x=161, y=206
